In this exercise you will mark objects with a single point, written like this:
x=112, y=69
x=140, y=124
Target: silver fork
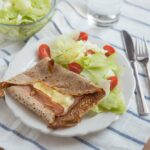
x=142, y=55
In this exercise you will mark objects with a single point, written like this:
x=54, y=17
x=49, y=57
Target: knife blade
x=129, y=47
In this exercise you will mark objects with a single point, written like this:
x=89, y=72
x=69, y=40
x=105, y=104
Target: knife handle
x=141, y=103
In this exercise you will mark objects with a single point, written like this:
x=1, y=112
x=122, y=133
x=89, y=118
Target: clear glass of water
x=104, y=12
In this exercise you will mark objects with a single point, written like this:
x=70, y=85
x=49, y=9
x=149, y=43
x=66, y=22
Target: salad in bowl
x=20, y=19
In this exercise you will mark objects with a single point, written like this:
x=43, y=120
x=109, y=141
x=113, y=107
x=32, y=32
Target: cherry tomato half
x=89, y=52
x=110, y=50
x=83, y=36
x=44, y=51
x=113, y=82
x=75, y=67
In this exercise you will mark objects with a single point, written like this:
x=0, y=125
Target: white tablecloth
x=130, y=132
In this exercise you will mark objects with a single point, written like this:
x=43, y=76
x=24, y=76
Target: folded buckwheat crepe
x=58, y=96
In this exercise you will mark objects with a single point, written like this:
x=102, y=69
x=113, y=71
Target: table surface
x=131, y=131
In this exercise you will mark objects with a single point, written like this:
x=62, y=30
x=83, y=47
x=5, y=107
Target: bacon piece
x=48, y=102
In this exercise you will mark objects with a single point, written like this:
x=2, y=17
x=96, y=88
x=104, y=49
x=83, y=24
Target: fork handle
x=148, y=74
x=141, y=103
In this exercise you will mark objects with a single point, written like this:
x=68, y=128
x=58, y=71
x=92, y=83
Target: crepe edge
x=32, y=104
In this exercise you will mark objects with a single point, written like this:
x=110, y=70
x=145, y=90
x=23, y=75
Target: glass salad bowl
x=24, y=31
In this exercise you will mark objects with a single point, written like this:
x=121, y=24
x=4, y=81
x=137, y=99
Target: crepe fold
x=85, y=94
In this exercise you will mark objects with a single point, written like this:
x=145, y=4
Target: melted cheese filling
x=64, y=100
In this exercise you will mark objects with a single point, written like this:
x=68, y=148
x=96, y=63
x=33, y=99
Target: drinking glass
x=104, y=12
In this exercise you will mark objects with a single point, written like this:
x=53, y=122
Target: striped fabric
x=131, y=131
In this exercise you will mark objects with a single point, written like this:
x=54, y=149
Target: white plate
x=26, y=58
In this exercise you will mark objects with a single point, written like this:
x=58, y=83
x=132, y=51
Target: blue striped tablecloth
x=130, y=132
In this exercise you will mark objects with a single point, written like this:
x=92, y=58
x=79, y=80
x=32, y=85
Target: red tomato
x=83, y=36
x=113, y=82
x=89, y=52
x=75, y=67
x=110, y=50
x=44, y=51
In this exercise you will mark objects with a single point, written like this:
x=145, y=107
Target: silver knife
x=141, y=103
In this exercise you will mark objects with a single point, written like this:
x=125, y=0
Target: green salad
x=98, y=65
x=16, y=12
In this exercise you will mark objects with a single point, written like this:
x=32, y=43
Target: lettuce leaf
x=28, y=10
x=112, y=103
x=66, y=50
x=100, y=65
